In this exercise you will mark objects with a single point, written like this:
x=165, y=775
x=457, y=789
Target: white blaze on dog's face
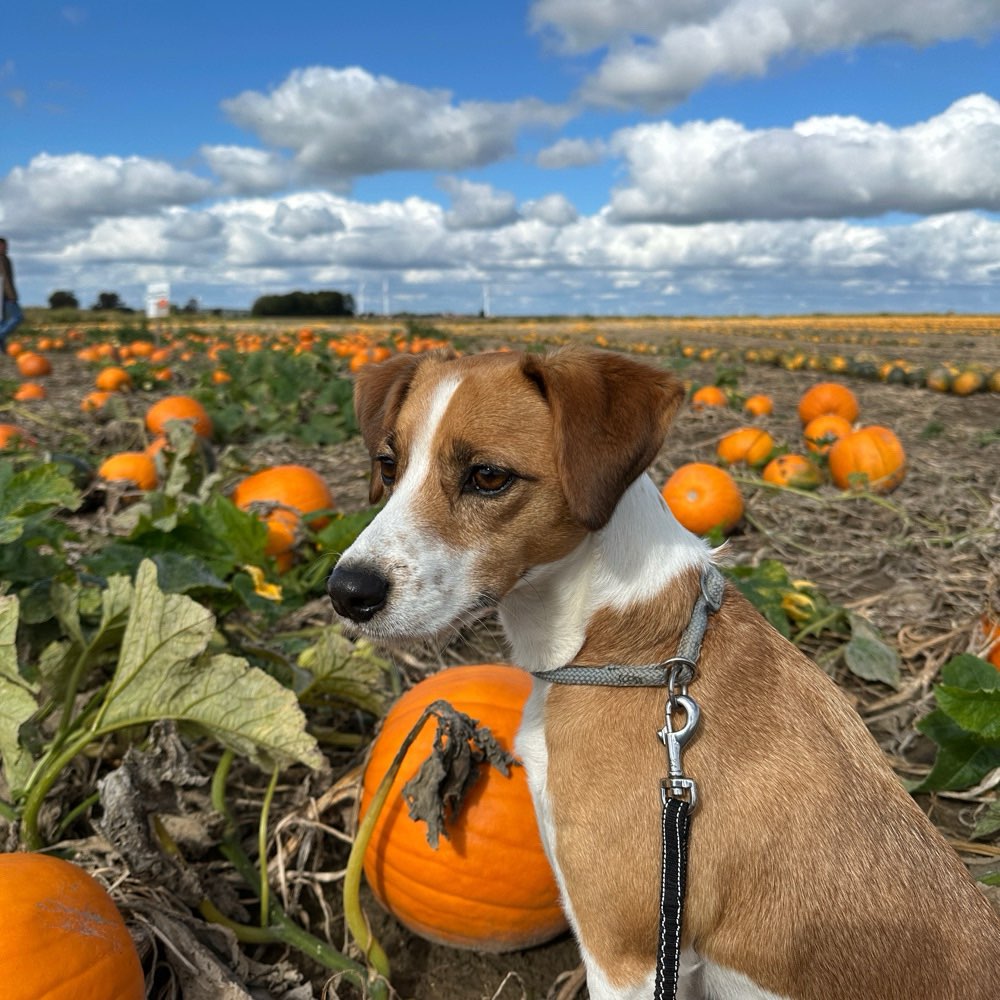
x=474, y=456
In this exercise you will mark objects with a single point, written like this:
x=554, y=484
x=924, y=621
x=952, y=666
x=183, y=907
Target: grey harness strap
x=678, y=792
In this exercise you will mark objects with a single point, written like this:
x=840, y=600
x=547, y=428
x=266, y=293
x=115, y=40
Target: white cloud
x=821, y=167
x=659, y=53
x=243, y=170
x=552, y=209
x=75, y=189
x=346, y=123
x=304, y=221
x=572, y=153
x=478, y=206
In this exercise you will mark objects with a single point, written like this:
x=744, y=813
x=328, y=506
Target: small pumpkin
x=133, y=467
x=872, y=457
x=28, y=391
x=793, y=470
x=12, y=436
x=113, y=379
x=294, y=491
x=759, y=405
x=828, y=397
x=30, y=364
x=178, y=408
x=968, y=382
x=821, y=432
x=703, y=497
x=63, y=937
x=747, y=444
x=95, y=400
x=489, y=885
x=708, y=395
x=991, y=636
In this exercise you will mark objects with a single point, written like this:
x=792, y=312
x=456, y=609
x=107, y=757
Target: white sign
x=158, y=300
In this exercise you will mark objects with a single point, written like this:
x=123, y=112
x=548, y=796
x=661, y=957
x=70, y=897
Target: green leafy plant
x=966, y=728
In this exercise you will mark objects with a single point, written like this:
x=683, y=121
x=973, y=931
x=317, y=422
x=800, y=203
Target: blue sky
x=599, y=156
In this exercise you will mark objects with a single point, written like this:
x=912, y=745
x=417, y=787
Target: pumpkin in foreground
x=872, y=457
x=489, y=886
x=63, y=937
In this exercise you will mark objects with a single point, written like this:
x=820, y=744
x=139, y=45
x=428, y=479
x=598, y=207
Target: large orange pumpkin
x=872, y=457
x=63, y=937
x=489, y=885
x=828, y=397
x=178, y=408
x=29, y=391
x=703, y=497
x=747, y=444
x=297, y=492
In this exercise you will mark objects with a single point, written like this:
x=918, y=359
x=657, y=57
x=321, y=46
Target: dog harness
x=678, y=792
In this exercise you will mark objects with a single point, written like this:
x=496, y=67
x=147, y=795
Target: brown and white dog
x=517, y=482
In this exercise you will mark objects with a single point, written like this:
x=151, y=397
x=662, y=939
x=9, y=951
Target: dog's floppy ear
x=611, y=414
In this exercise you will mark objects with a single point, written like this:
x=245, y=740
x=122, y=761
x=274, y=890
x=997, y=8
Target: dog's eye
x=387, y=469
x=487, y=479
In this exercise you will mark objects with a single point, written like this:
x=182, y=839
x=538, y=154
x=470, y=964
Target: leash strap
x=679, y=793
x=676, y=825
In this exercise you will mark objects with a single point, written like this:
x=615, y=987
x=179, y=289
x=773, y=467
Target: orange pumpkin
x=32, y=365
x=95, y=400
x=703, y=497
x=828, y=397
x=748, y=444
x=759, y=405
x=178, y=408
x=792, y=470
x=12, y=436
x=872, y=457
x=991, y=635
x=113, y=379
x=296, y=492
x=708, y=395
x=63, y=937
x=368, y=355
x=30, y=390
x=489, y=885
x=821, y=432
x=133, y=467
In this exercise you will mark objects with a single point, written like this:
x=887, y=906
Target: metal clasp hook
x=677, y=784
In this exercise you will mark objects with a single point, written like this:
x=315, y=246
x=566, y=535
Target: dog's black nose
x=357, y=593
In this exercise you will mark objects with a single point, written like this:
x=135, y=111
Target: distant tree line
x=63, y=299
x=325, y=303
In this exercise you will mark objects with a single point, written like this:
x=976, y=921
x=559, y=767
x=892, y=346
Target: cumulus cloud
x=478, y=206
x=346, y=123
x=572, y=153
x=71, y=190
x=552, y=209
x=306, y=220
x=243, y=170
x=821, y=167
x=191, y=227
x=659, y=53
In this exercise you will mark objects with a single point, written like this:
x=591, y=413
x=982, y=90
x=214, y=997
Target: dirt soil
x=922, y=564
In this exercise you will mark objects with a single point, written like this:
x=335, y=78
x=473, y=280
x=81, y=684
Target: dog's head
x=490, y=465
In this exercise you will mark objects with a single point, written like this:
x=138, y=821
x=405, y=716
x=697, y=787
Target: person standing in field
x=11, y=315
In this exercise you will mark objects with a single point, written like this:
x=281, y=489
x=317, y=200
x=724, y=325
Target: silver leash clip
x=677, y=785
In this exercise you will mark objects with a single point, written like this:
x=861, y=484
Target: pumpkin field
x=181, y=719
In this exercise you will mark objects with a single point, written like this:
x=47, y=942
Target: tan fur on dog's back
x=787, y=825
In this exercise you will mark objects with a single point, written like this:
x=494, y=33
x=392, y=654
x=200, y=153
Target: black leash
x=678, y=792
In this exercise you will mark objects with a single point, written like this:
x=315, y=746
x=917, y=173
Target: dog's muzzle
x=357, y=593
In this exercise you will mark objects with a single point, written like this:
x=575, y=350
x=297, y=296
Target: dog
x=517, y=482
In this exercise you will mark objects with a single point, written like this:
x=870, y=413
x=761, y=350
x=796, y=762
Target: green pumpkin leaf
x=963, y=759
x=163, y=674
x=17, y=701
x=869, y=656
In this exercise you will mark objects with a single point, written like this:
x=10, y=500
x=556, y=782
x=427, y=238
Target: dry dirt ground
x=921, y=564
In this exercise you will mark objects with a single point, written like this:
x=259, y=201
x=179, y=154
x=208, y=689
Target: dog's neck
x=628, y=562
